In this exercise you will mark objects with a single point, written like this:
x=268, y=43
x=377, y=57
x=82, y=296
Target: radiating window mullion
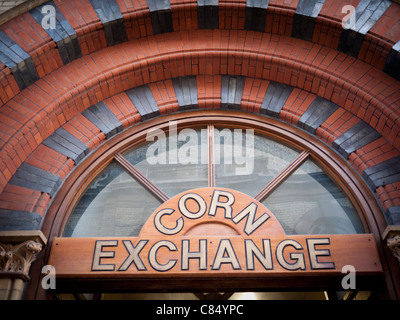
x=274, y=183
x=211, y=151
x=140, y=177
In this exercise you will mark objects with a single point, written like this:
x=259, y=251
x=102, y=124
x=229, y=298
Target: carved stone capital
x=18, y=258
x=18, y=250
x=392, y=238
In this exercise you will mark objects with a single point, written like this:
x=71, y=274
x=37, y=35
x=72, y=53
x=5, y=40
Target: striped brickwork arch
x=109, y=65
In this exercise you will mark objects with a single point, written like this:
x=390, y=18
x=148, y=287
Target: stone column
x=18, y=249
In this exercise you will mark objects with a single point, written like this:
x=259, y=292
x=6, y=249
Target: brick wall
x=64, y=93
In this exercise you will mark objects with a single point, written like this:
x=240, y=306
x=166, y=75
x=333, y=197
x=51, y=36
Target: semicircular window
x=296, y=189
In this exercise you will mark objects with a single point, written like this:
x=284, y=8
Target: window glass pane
x=309, y=202
x=247, y=162
x=114, y=204
x=174, y=163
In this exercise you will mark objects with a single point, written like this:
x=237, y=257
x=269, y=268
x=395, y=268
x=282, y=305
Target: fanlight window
x=293, y=185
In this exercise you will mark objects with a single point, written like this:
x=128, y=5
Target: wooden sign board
x=213, y=232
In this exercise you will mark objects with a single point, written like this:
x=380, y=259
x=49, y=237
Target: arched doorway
x=112, y=65
x=213, y=178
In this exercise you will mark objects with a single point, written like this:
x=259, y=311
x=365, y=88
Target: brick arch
x=29, y=52
x=64, y=96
